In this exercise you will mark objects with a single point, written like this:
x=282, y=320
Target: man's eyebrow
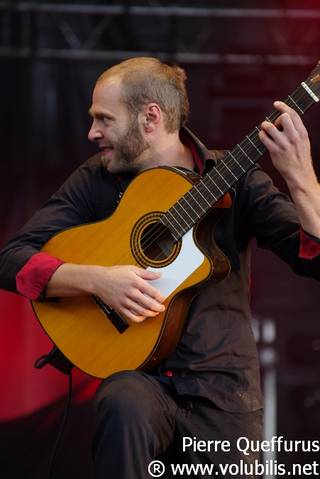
x=100, y=114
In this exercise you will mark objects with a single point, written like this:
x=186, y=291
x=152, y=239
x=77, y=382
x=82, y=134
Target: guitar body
x=81, y=329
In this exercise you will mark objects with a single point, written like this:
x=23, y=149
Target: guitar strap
x=56, y=359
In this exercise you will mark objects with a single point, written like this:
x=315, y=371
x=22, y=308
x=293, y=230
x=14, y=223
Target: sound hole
x=157, y=242
x=152, y=243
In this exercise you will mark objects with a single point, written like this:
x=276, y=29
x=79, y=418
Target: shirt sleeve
x=88, y=195
x=33, y=277
x=270, y=216
x=309, y=245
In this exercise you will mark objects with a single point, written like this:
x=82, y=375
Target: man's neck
x=169, y=151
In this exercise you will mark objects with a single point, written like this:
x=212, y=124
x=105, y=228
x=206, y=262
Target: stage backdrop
x=44, y=124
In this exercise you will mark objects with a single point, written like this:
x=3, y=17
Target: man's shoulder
x=90, y=176
x=95, y=168
x=94, y=162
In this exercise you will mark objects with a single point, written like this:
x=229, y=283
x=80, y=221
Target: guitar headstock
x=313, y=81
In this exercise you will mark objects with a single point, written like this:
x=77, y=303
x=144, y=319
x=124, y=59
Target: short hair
x=146, y=80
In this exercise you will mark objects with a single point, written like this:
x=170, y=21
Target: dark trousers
x=139, y=419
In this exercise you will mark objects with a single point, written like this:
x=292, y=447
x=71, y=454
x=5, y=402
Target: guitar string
x=154, y=234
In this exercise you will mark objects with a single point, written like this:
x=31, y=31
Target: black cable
x=55, y=450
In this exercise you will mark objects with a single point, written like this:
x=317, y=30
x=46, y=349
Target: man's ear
x=152, y=117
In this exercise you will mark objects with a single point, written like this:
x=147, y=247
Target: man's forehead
x=109, y=83
x=106, y=96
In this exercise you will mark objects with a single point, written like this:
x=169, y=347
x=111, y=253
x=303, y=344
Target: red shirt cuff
x=309, y=246
x=35, y=274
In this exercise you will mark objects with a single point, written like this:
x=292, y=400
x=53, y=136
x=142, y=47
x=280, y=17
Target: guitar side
x=79, y=328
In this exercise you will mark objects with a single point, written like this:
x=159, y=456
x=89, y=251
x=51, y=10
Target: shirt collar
x=204, y=159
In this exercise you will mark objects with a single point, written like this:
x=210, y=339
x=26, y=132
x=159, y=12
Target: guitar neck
x=194, y=205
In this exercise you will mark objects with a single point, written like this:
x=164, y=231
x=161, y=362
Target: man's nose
x=94, y=133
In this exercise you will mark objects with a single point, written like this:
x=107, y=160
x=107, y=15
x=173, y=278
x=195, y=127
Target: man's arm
x=23, y=268
x=88, y=195
x=127, y=289
x=289, y=148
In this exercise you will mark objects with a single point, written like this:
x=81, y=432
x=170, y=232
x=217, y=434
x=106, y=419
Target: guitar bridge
x=118, y=322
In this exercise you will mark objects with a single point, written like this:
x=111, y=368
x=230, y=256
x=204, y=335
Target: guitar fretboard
x=191, y=207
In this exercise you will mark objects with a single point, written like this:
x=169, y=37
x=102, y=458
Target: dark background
x=239, y=56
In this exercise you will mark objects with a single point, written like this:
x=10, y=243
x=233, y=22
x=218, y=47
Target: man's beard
x=127, y=148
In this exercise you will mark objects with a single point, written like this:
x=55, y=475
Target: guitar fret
x=222, y=177
x=296, y=104
x=194, y=199
x=202, y=196
x=245, y=153
x=234, y=158
x=225, y=164
x=171, y=224
x=259, y=151
x=176, y=211
x=215, y=184
x=189, y=204
x=185, y=211
x=203, y=183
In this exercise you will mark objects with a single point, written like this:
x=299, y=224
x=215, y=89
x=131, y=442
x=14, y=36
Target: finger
x=132, y=317
x=295, y=117
x=272, y=134
x=148, y=302
x=144, y=284
x=148, y=290
x=139, y=310
x=288, y=128
x=136, y=318
x=284, y=108
x=287, y=131
x=268, y=142
x=147, y=274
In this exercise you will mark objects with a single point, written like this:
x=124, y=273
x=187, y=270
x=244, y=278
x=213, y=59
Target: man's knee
x=128, y=396
x=134, y=410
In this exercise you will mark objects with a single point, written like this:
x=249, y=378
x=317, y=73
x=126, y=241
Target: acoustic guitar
x=160, y=224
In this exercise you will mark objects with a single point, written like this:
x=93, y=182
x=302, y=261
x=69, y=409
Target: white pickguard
x=188, y=260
